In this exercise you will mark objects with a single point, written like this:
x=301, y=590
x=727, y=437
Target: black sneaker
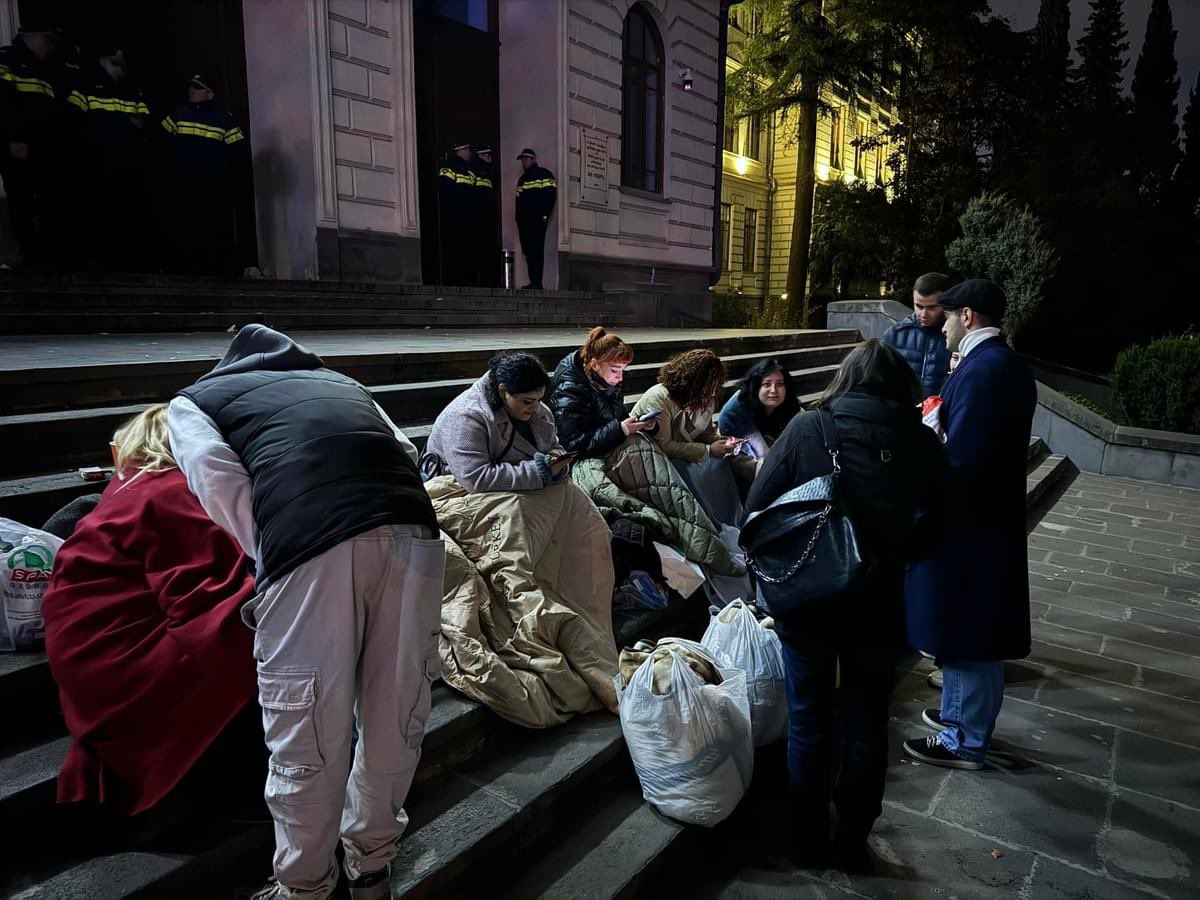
x=930, y=750
x=374, y=886
x=935, y=679
x=933, y=718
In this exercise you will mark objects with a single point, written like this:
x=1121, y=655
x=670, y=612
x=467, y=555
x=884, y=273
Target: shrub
x=1002, y=240
x=1158, y=385
x=731, y=311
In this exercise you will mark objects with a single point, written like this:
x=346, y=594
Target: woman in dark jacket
x=892, y=470
x=762, y=406
x=588, y=403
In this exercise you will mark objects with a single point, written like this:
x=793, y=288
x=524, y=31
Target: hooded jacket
x=924, y=349
x=324, y=462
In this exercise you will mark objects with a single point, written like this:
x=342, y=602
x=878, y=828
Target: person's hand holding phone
x=634, y=424
x=560, y=463
x=722, y=447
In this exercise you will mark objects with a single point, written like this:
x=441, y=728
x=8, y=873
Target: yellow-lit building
x=758, y=188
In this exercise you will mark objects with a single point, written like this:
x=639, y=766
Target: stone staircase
x=86, y=304
x=496, y=809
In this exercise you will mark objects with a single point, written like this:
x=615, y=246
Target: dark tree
x=1052, y=38
x=1155, y=89
x=1102, y=57
x=1187, y=176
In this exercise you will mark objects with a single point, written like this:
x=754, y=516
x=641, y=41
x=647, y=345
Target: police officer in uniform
x=456, y=195
x=536, y=194
x=487, y=255
x=207, y=164
x=110, y=126
x=27, y=124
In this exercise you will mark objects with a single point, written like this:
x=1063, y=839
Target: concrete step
x=1054, y=473
x=493, y=810
x=48, y=388
x=179, y=854
x=621, y=843
x=86, y=304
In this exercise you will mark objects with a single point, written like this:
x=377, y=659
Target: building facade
x=350, y=104
x=758, y=192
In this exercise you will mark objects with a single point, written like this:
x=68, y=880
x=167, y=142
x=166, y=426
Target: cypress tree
x=1155, y=89
x=1053, y=42
x=1102, y=57
x=1187, y=176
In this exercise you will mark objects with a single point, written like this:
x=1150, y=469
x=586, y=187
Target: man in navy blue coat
x=968, y=603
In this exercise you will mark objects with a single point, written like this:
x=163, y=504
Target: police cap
x=527, y=152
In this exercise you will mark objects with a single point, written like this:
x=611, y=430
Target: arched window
x=642, y=93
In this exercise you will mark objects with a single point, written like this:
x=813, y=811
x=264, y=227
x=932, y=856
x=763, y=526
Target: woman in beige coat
x=686, y=395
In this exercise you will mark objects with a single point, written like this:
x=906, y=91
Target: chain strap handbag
x=802, y=549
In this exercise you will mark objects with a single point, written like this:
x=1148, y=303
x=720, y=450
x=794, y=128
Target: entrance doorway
x=457, y=61
x=166, y=42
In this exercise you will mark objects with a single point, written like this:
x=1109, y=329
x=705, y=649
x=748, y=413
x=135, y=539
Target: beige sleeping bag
x=527, y=608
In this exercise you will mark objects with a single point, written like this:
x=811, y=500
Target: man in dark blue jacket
x=919, y=338
x=968, y=603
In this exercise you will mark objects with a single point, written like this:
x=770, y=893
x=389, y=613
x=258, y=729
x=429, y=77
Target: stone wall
x=630, y=226
x=1097, y=445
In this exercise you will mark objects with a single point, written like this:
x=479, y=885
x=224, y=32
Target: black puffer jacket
x=588, y=412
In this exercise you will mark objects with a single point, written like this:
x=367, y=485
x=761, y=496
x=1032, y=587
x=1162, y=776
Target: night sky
x=1022, y=14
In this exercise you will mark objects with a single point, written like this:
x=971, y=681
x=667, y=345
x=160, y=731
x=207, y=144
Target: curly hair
x=693, y=379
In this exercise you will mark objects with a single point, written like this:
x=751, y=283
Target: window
x=747, y=21
x=754, y=136
x=880, y=153
x=835, y=139
x=733, y=141
x=749, y=240
x=860, y=152
x=642, y=104
x=726, y=223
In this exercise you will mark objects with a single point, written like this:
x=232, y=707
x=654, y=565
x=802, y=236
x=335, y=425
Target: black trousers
x=847, y=764
x=533, y=245
x=20, y=184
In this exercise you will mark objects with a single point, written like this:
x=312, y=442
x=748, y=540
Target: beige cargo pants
x=353, y=631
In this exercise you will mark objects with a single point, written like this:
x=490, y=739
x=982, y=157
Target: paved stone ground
x=24, y=352
x=1096, y=793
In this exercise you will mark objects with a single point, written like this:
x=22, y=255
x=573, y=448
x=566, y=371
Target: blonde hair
x=143, y=442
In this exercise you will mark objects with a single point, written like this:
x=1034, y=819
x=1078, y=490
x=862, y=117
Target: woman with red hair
x=144, y=635
x=588, y=402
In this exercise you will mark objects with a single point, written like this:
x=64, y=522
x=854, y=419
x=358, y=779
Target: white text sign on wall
x=593, y=177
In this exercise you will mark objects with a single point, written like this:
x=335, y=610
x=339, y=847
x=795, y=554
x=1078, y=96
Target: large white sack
x=26, y=558
x=739, y=641
x=691, y=745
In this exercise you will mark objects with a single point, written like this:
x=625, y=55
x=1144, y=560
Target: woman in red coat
x=143, y=631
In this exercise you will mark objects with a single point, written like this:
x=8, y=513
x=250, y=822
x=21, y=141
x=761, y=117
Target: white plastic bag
x=691, y=744
x=26, y=558
x=681, y=574
x=738, y=640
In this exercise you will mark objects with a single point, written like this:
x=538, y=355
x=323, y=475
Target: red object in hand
x=931, y=415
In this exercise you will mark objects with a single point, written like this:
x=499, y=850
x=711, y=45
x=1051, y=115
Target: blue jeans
x=972, y=694
x=815, y=740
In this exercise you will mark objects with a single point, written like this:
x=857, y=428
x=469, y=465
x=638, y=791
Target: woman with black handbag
x=847, y=494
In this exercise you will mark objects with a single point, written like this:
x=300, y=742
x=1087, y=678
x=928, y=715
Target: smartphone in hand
x=646, y=417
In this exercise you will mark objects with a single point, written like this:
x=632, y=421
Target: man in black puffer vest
x=322, y=491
